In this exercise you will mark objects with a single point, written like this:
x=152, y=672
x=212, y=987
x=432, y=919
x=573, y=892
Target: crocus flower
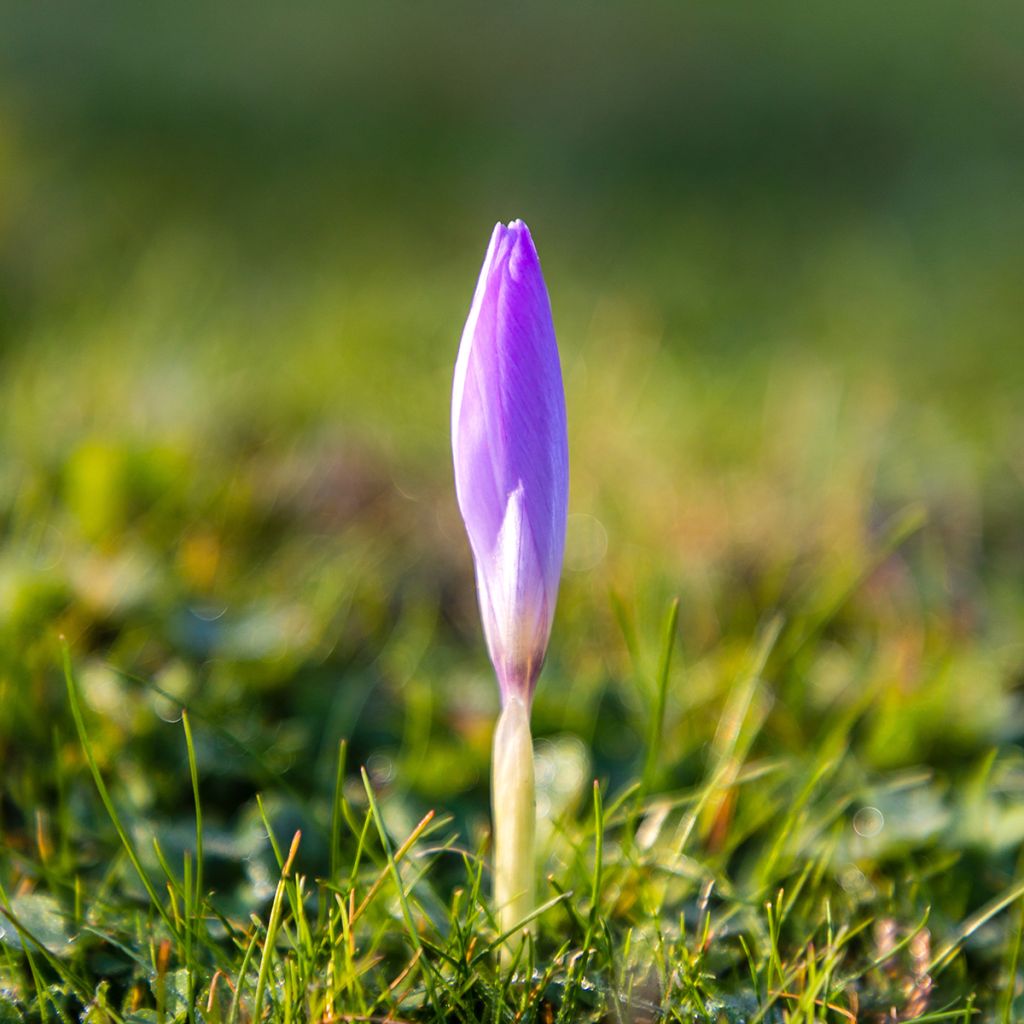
x=511, y=479
x=511, y=456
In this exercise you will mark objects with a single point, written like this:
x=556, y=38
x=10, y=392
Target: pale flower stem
x=513, y=804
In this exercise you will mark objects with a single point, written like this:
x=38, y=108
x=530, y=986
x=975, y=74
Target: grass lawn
x=245, y=706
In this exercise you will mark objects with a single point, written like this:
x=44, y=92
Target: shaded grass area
x=785, y=277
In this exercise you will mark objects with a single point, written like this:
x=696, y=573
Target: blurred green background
x=783, y=245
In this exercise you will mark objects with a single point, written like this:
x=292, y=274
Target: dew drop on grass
x=868, y=822
x=381, y=768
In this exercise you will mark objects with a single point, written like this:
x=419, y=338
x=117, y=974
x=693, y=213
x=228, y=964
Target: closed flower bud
x=512, y=481
x=511, y=456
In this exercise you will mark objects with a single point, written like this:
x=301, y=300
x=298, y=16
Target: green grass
x=246, y=709
x=635, y=926
x=714, y=875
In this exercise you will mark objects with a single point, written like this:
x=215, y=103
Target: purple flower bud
x=511, y=456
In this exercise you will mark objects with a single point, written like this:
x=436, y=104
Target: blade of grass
x=661, y=690
x=726, y=743
x=101, y=786
x=194, y=774
x=337, y=809
x=403, y=899
x=273, y=924
x=942, y=959
x=236, y=999
x=1011, y=969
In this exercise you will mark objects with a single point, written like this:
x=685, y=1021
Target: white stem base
x=513, y=806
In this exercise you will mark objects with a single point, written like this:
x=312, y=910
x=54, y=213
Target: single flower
x=511, y=456
x=512, y=480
